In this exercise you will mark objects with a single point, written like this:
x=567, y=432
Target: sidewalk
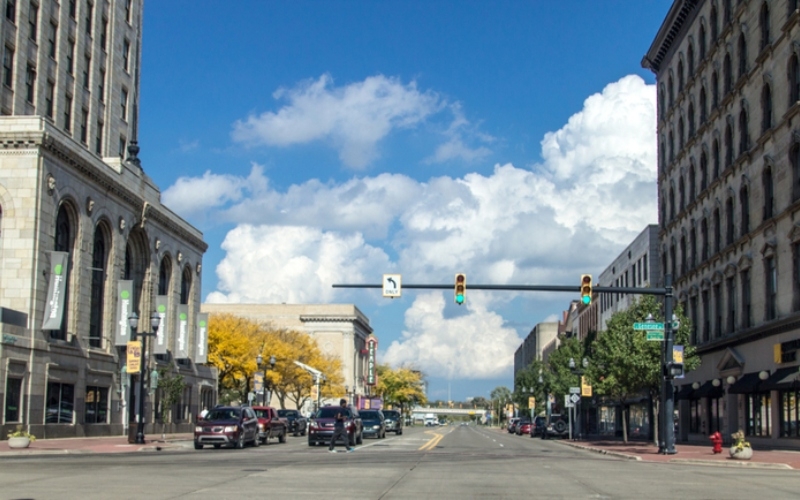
x=114, y=444
x=689, y=454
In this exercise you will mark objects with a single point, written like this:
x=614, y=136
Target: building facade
x=539, y=342
x=341, y=330
x=84, y=238
x=728, y=76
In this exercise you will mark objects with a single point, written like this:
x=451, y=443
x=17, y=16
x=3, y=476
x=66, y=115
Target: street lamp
x=133, y=322
x=271, y=367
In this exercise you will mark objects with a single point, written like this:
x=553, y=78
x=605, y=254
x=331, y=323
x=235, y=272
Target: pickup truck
x=270, y=425
x=297, y=422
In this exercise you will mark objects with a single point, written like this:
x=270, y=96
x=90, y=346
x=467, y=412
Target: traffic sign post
x=657, y=336
x=392, y=285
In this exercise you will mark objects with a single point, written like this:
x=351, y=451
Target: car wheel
x=239, y=442
x=360, y=439
x=282, y=437
x=311, y=443
x=256, y=441
x=198, y=446
x=400, y=433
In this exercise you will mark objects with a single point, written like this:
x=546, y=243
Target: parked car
x=227, y=425
x=512, y=423
x=374, y=423
x=523, y=426
x=394, y=421
x=537, y=426
x=297, y=422
x=270, y=424
x=557, y=426
x=320, y=428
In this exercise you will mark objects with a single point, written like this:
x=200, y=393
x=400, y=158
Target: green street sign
x=648, y=326
x=657, y=336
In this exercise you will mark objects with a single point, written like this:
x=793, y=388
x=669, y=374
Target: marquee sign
x=372, y=374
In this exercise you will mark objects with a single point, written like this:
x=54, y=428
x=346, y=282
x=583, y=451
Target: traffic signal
x=675, y=370
x=461, y=288
x=586, y=289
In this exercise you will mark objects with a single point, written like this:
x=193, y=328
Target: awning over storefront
x=782, y=379
x=747, y=384
x=708, y=390
x=685, y=392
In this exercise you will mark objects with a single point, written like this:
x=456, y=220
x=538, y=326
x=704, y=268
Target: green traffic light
x=586, y=299
x=459, y=299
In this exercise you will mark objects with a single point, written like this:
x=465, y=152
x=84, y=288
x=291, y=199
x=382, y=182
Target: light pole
x=133, y=321
x=579, y=372
x=272, y=362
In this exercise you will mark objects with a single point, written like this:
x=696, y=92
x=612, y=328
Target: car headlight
x=198, y=429
x=376, y=426
x=261, y=427
x=230, y=428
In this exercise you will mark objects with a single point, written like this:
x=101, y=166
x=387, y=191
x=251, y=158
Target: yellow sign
x=777, y=354
x=531, y=402
x=677, y=355
x=586, y=389
x=134, y=357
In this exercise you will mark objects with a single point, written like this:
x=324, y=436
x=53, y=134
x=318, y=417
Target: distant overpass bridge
x=421, y=411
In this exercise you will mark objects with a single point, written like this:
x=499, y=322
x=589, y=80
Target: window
x=128, y=10
x=727, y=74
x=64, y=240
x=695, y=416
x=703, y=171
x=68, y=113
x=671, y=204
x=729, y=233
x=727, y=11
x=52, y=35
x=690, y=59
x=663, y=156
x=96, y=405
x=691, y=120
x=771, y=279
x=644, y=264
x=717, y=232
x=692, y=183
x=33, y=21
x=684, y=257
x=744, y=202
x=715, y=158
x=681, y=134
x=60, y=403
x=796, y=276
x=793, y=6
x=769, y=193
x=101, y=86
x=717, y=311
x=680, y=76
x=744, y=133
x=693, y=317
x=97, y=293
x=716, y=414
x=703, y=106
x=71, y=57
x=30, y=84
x=704, y=236
x=126, y=55
x=728, y=146
x=790, y=413
x=122, y=143
x=747, y=318
x=98, y=142
x=742, y=56
x=763, y=21
x=8, y=67
x=661, y=103
x=794, y=161
x=701, y=42
x=11, y=10
x=124, y=104
x=73, y=7
x=714, y=90
x=13, y=400
x=84, y=126
x=758, y=414
x=186, y=285
x=766, y=108
x=794, y=80
x=706, y=316
x=89, y=14
x=712, y=21
x=87, y=66
x=670, y=91
x=692, y=248
x=49, y=98
x=104, y=35
x=730, y=285
x=682, y=194
x=673, y=259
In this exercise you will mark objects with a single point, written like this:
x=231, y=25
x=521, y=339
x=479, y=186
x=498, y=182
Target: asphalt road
x=441, y=463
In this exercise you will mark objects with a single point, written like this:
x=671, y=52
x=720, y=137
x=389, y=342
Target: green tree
x=171, y=386
x=500, y=397
x=400, y=387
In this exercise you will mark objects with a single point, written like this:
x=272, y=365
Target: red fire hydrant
x=716, y=440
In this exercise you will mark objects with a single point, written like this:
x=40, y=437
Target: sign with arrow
x=392, y=285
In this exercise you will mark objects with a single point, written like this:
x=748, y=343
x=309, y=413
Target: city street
x=432, y=462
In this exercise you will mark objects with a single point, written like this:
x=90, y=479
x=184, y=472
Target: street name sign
x=656, y=336
x=392, y=285
x=574, y=390
x=648, y=326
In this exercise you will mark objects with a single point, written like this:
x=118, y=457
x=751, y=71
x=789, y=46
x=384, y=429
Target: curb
x=731, y=463
x=603, y=451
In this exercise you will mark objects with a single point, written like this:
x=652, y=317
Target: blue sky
x=327, y=142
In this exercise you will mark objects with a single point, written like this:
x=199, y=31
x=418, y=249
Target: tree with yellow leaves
x=232, y=348
x=400, y=387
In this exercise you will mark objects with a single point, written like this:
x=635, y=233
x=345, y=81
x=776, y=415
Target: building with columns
x=84, y=238
x=728, y=83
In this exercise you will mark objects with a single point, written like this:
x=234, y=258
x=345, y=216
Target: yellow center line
x=431, y=444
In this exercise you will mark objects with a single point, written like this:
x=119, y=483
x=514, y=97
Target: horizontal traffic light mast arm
x=525, y=288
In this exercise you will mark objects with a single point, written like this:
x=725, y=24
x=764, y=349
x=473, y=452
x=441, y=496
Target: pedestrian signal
x=586, y=289
x=460, y=288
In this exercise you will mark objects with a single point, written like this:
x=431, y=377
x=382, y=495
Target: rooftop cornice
x=668, y=33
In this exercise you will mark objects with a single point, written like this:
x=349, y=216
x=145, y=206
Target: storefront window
x=639, y=421
x=758, y=414
x=60, y=403
x=607, y=424
x=790, y=413
x=13, y=399
x=695, y=416
x=716, y=414
x=96, y=405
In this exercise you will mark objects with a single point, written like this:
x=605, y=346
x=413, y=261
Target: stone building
x=728, y=83
x=341, y=330
x=84, y=238
x=542, y=340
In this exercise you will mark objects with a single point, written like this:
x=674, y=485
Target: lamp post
x=579, y=372
x=133, y=322
x=271, y=367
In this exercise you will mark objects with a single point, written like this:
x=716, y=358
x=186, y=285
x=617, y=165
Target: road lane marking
x=431, y=442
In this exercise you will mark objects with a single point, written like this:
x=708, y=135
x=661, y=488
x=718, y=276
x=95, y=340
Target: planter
x=19, y=442
x=744, y=454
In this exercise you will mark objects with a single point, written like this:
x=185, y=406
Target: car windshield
x=261, y=413
x=391, y=414
x=331, y=411
x=370, y=415
x=223, y=414
x=287, y=413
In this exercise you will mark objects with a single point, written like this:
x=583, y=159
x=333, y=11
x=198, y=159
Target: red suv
x=227, y=425
x=320, y=429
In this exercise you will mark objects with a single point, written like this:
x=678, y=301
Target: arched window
x=744, y=203
x=729, y=233
x=727, y=74
x=681, y=134
x=98, y=287
x=673, y=260
x=794, y=161
x=701, y=42
x=744, y=132
x=690, y=59
x=794, y=80
x=691, y=120
x=766, y=108
x=661, y=103
x=712, y=21
x=714, y=90
x=682, y=194
x=692, y=183
x=717, y=231
x=727, y=12
x=684, y=257
x=728, y=142
x=663, y=165
x=671, y=204
x=670, y=91
x=671, y=147
x=703, y=106
x=692, y=248
x=769, y=193
x=742, y=56
x=763, y=21
x=186, y=285
x=663, y=213
x=680, y=76
x=703, y=171
x=64, y=240
x=164, y=273
x=706, y=244
x=715, y=158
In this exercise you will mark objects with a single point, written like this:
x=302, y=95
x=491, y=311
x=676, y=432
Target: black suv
x=558, y=426
x=297, y=422
x=394, y=421
x=537, y=428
